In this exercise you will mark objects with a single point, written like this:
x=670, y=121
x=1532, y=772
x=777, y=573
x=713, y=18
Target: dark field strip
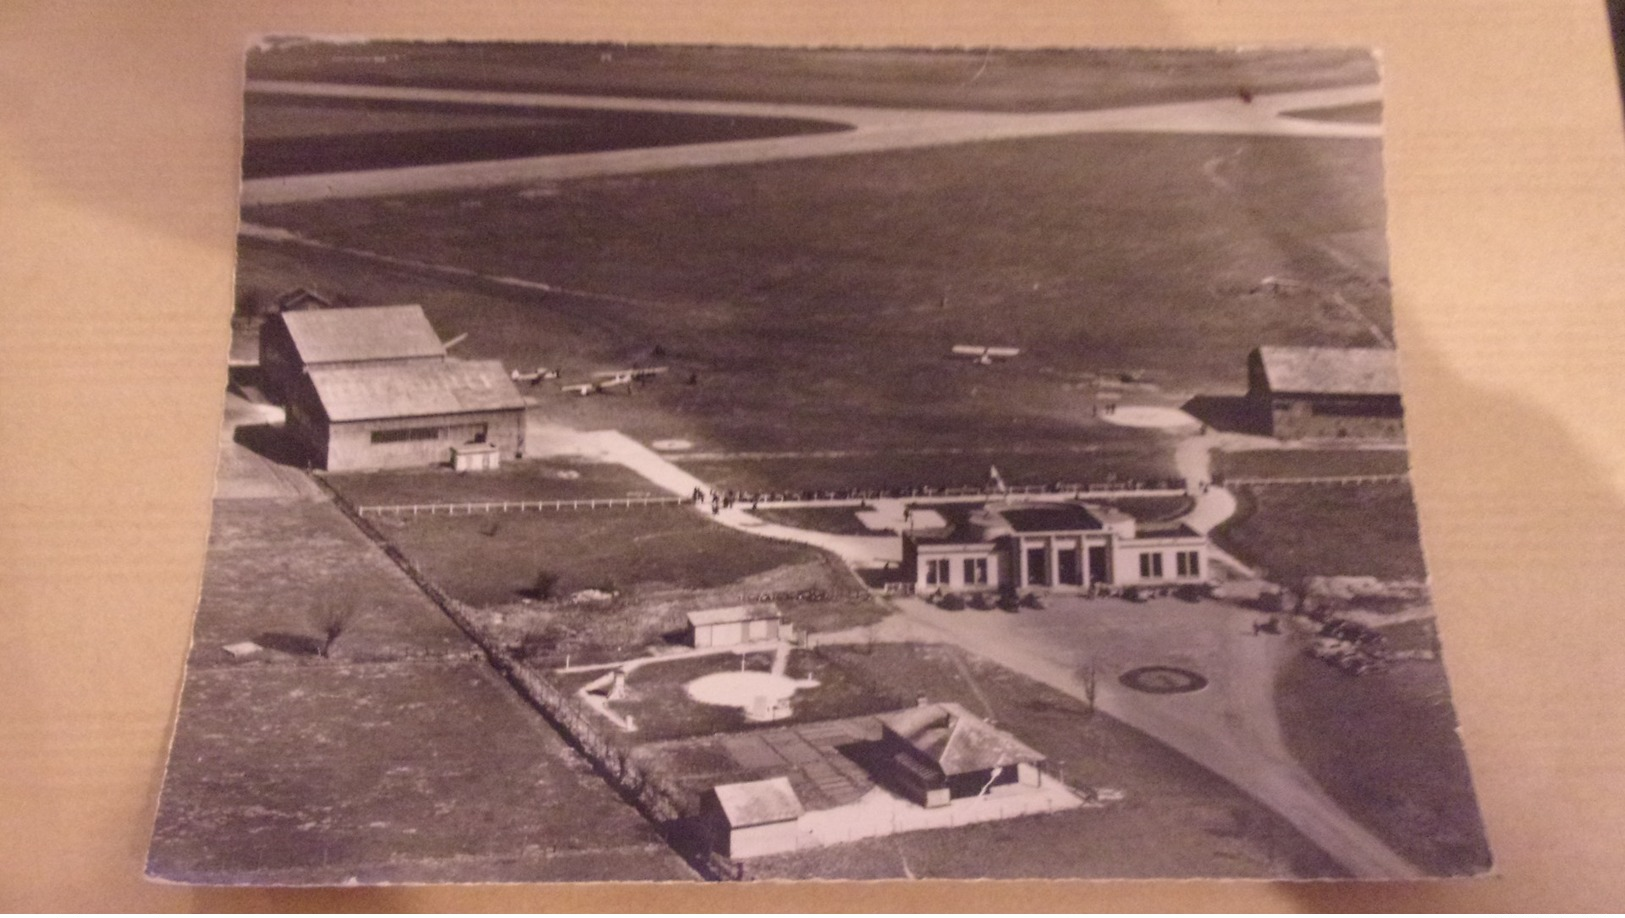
x=970, y=79
x=556, y=132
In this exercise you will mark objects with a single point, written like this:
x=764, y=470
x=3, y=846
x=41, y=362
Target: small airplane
x=635, y=373
x=985, y=356
x=534, y=377
x=610, y=379
x=597, y=386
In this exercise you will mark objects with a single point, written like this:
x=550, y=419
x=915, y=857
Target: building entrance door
x=1098, y=572
x=1037, y=567
x=1067, y=569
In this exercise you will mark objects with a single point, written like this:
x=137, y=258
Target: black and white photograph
x=722, y=463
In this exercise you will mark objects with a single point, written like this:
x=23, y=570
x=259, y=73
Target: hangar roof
x=362, y=333
x=755, y=803
x=1331, y=370
x=415, y=389
x=957, y=740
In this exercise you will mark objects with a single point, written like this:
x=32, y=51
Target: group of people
x=723, y=499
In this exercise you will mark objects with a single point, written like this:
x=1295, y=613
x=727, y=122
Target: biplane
x=985, y=356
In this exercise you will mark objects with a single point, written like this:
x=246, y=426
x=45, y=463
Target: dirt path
x=872, y=130
x=614, y=446
x=1230, y=727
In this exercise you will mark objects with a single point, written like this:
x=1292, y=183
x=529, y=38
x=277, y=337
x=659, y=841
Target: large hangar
x=404, y=414
x=295, y=342
x=1304, y=393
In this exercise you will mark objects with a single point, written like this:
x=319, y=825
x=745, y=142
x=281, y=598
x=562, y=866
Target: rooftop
x=755, y=803
x=731, y=614
x=415, y=389
x=956, y=739
x=1053, y=518
x=362, y=333
x=1331, y=370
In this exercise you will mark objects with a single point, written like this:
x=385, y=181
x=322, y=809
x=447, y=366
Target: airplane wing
x=1003, y=351
x=969, y=350
x=617, y=381
x=580, y=388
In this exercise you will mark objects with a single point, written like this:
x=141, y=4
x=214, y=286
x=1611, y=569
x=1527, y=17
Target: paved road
x=1230, y=727
x=871, y=130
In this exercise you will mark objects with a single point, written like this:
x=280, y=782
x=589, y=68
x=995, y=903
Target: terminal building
x=1064, y=546
x=1326, y=392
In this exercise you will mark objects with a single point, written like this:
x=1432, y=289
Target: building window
x=975, y=570
x=406, y=434
x=936, y=571
x=1190, y=563
x=1150, y=564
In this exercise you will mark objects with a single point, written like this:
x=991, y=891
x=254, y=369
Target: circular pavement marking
x=1163, y=680
x=1148, y=416
x=741, y=689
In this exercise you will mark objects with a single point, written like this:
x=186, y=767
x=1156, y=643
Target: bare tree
x=332, y=620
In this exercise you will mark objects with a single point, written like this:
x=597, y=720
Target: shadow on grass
x=1228, y=414
x=272, y=442
x=299, y=645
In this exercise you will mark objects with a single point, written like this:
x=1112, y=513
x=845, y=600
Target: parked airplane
x=985, y=355
x=635, y=373
x=534, y=377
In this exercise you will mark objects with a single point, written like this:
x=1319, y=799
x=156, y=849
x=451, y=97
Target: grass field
x=1393, y=761
x=527, y=480
x=1326, y=530
x=418, y=772
x=816, y=300
x=276, y=568
x=492, y=559
x=1177, y=818
x=1310, y=463
x=1006, y=80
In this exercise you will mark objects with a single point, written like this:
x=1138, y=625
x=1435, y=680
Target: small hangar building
x=1061, y=546
x=1326, y=392
x=294, y=343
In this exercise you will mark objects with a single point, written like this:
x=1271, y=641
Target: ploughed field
x=813, y=303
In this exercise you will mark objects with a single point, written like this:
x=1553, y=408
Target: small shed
x=476, y=457
x=752, y=818
x=937, y=753
x=733, y=625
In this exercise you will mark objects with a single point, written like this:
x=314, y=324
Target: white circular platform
x=1148, y=416
x=740, y=690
